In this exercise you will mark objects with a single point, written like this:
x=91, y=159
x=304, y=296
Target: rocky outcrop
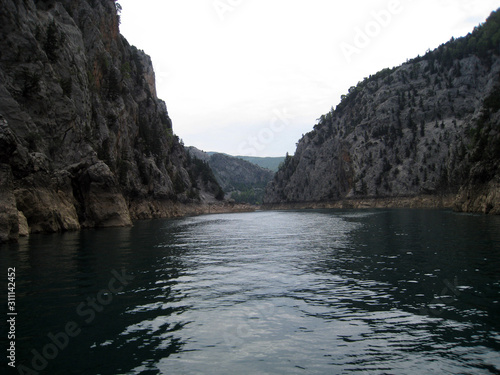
x=481, y=192
x=9, y=221
x=84, y=140
x=429, y=127
x=482, y=198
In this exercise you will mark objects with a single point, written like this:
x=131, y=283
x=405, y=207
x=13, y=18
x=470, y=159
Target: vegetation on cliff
x=429, y=126
x=84, y=139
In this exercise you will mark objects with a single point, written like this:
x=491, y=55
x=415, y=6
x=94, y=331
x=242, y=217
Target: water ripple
x=309, y=292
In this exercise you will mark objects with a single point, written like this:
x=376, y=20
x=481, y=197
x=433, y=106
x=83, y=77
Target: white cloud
x=224, y=71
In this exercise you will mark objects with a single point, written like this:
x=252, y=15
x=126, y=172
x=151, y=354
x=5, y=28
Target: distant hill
x=241, y=180
x=271, y=163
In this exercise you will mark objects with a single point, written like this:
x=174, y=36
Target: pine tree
x=52, y=42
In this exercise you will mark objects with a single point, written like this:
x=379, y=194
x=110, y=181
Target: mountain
x=84, y=139
x=426, y=132
x=243, y=181
x=271, y=163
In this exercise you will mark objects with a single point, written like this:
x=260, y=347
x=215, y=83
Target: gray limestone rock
x=81, y=128
x=423, y=128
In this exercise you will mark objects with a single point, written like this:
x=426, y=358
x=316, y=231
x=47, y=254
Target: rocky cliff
x=84, y=140
x=429, y=127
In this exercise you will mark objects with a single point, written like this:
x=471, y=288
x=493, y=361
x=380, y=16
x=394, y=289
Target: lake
x=383, y=291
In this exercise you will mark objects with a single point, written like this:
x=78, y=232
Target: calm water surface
x=296, y=292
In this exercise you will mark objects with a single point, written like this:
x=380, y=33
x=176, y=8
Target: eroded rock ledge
x=421, y=201
x=54, y=212
x=484, y=198
x=166, y=209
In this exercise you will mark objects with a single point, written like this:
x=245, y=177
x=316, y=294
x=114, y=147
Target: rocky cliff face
x=428, y=127
x=84, y=140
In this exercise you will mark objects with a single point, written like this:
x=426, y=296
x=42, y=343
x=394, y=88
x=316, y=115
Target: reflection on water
x=316, y=292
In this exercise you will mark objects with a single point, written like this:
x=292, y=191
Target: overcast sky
x=249, y=77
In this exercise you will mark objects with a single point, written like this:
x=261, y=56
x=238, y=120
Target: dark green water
x=300, y=292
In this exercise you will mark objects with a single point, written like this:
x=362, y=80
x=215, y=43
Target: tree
x=118, y=11
x=31, y=83
x=113, y=85
x=51, y=44
x=220, y=194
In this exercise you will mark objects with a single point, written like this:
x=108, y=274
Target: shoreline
x=141, y=210
x=164, y=209
x=473, y=198
x=415, y=202
x=145, y=210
